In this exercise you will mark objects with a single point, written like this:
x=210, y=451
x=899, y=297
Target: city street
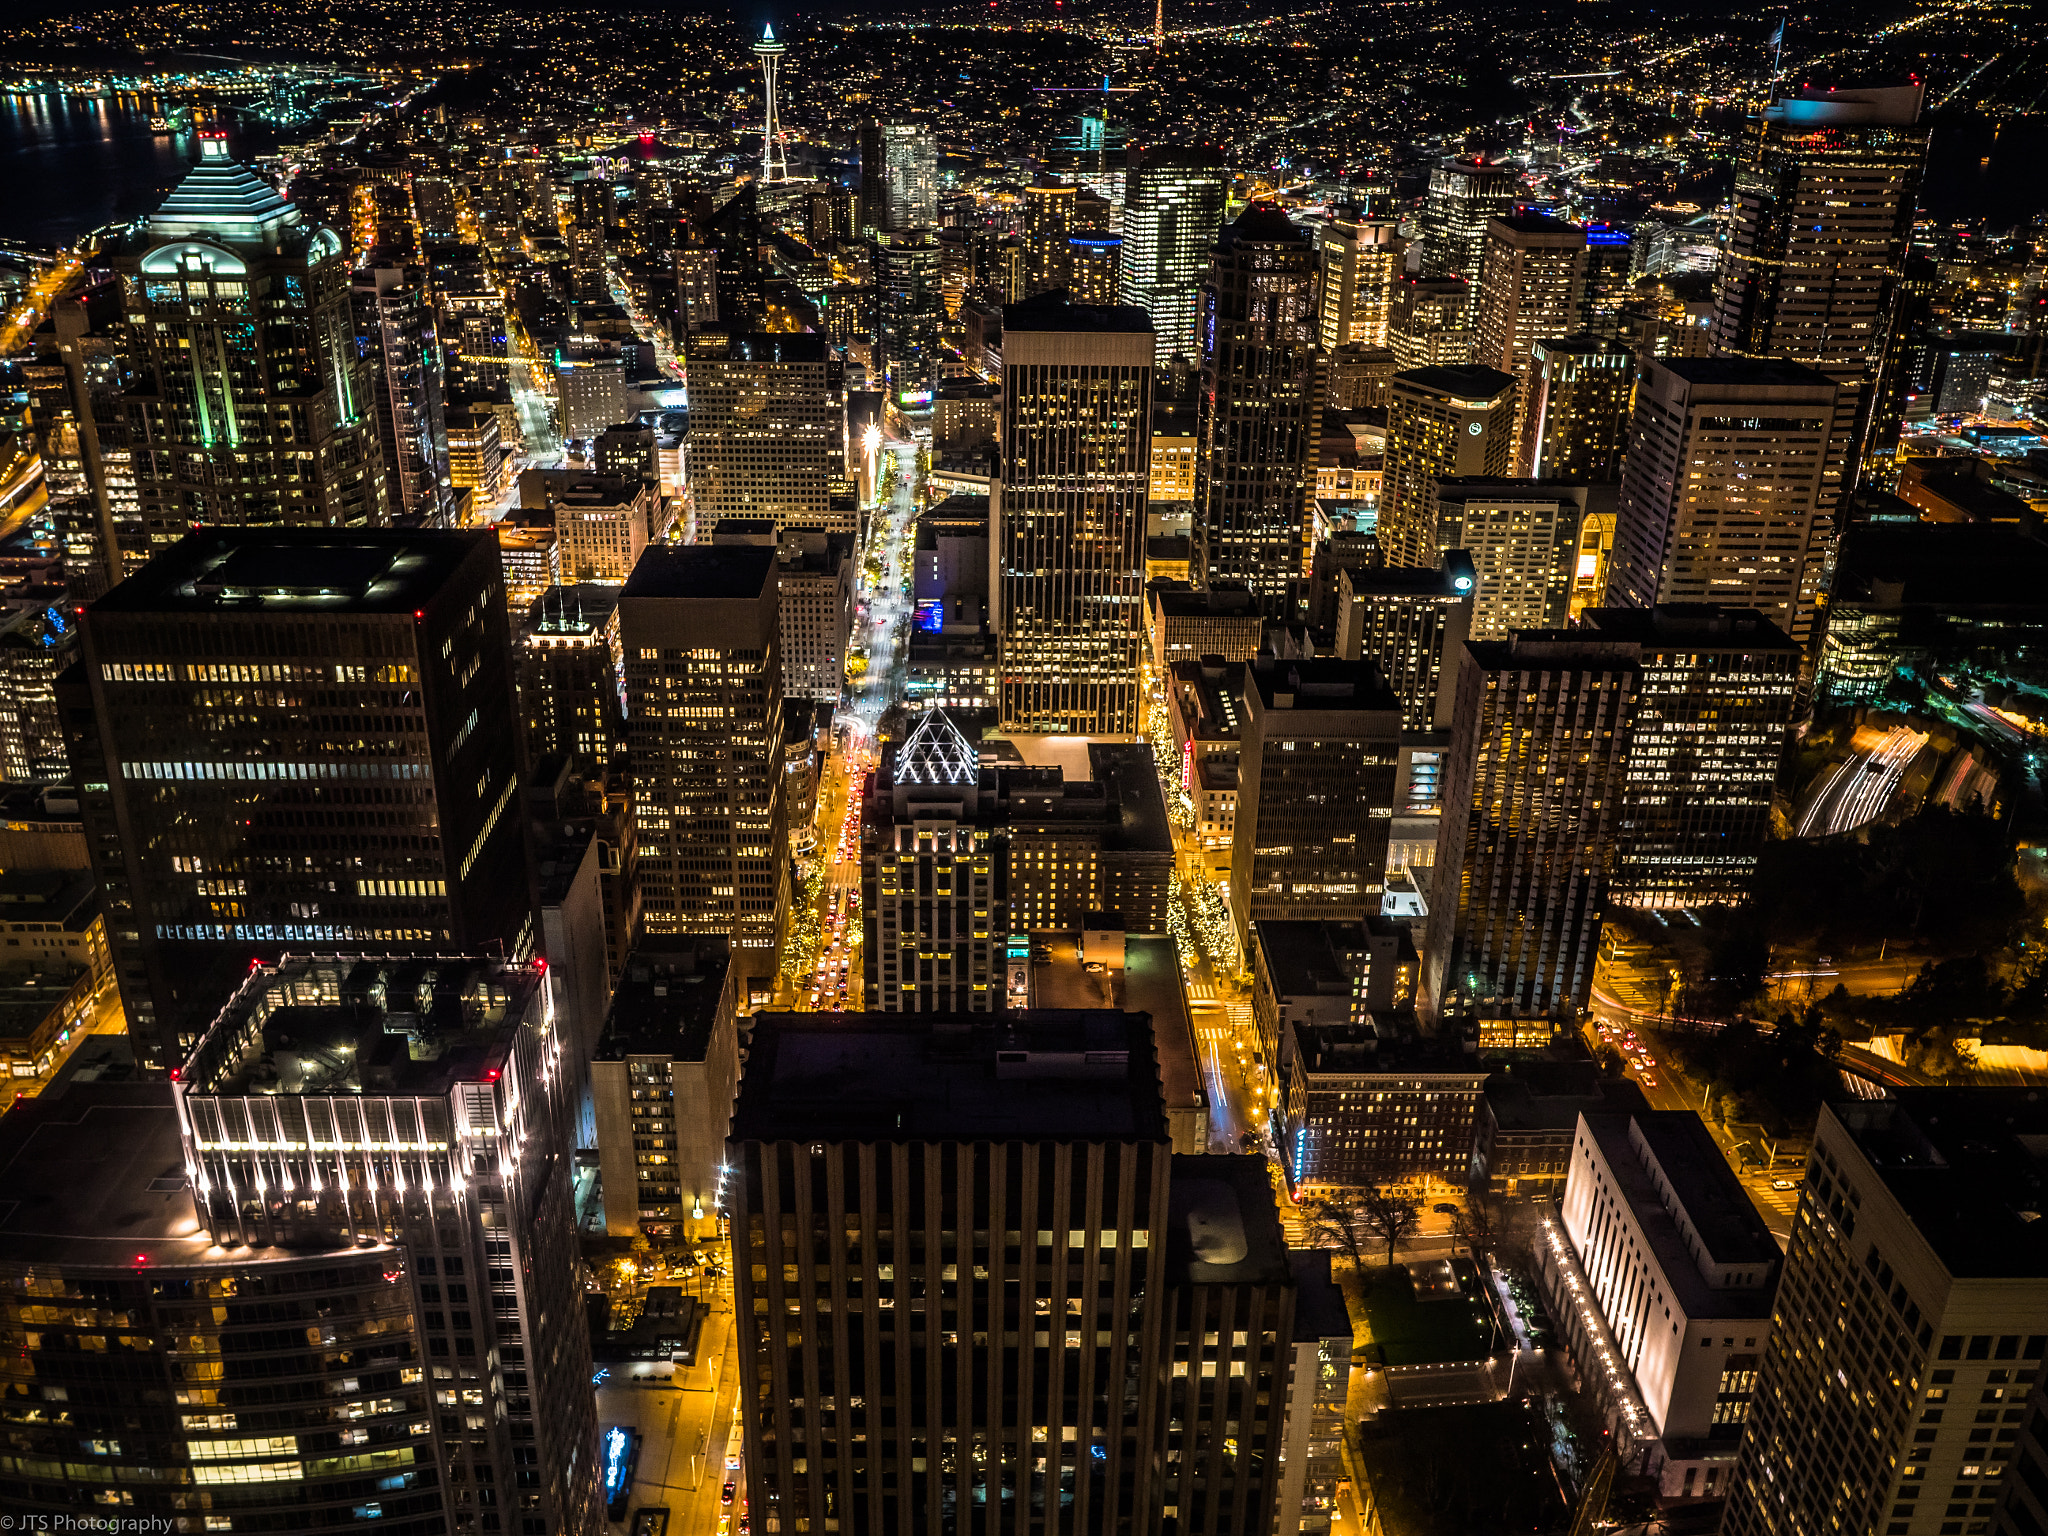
x=881, y=619
x=691, y=1443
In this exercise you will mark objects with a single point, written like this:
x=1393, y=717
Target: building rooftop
x=1225, y=1226
x=1705, y=625
x=223, y=198
x=775, y=347
x=1303, y=955
x=1126, y=772
x=1177, y=600
x=1677, y=1183
x=1942, y=565
x=1320, y=1311
x=356, y=1024
x=93, y=1174
x=1969, y=1166
x=67, y=896
x=668, y=1001
x=1538, y=224
x=1321, y=684
x=1053, y=311
x=582, y=608
x=297, y=571
x=722, y=571
x=1467, y=381
x=1728, y=372
x=1264, y=223
x=1550, y=1095
x=895, y=1077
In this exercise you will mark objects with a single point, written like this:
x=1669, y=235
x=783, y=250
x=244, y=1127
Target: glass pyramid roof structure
x=937, y=752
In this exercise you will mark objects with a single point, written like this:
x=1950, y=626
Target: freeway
x=1858, y=790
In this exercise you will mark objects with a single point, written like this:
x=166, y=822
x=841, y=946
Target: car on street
x=725, y=1494
x=1783, y=1184
x=1444, y=1209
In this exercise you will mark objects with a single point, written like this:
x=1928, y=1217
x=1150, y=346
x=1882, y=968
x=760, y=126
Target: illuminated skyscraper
x=1077, y=423
x=1048, y=225
x=396, y=335
x=774, y=163
x=428, y=1107
x=1825, y=190
x=698, y=626
x=250, y=404
x=1463, y=197
x=762, y=429
x=1173, y=208
x=910, y=177
x=1260, y=409
x=1713, y=706
x=1532, y=797
x=1910, y=1323
x=1531, y=287
x=1723, y=494
x=1440, y=421
x=299, y=739
x=1360, y=260
x=1575, y=422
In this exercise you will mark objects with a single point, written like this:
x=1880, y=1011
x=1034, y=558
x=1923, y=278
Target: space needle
x=774, y=165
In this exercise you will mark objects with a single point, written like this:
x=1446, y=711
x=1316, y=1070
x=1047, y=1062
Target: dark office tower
x=306, y=741
x=698, y=627
x=1532, y=285
x=1048, y=223
x=1714, y=702
x=395, y=334
x=761, y=430
x=1077, y=427
x=873, y=206
x=1412, y=623
x=250, y=404
x=1094, y=265
x=1825, y=189
x=1909, y=1322
x=735, y=232
x=425, y=1108
x=910, y=311
x=1575, y=420
x=568, y=663
x=175, y=1352
x=1315, y=790
x=1610, y=279
x=1532, y=798
x=1440, y=422
x=1259, y=412
x=976, y=1245
x=1724, y=494
x=935, y=877
x=1173, y=207
x=1464, y=196
x=829, y=216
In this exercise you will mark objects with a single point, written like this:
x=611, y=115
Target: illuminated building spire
x=774, y=165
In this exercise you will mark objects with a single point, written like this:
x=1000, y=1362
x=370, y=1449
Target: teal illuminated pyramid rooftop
x=224, y=198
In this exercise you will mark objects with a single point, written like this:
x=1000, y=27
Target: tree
x=1334, y=1224
x=1390, y=1217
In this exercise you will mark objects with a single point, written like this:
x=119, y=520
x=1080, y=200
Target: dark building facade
x=1260, y=406
x=295, y=739
x=977, y=1291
